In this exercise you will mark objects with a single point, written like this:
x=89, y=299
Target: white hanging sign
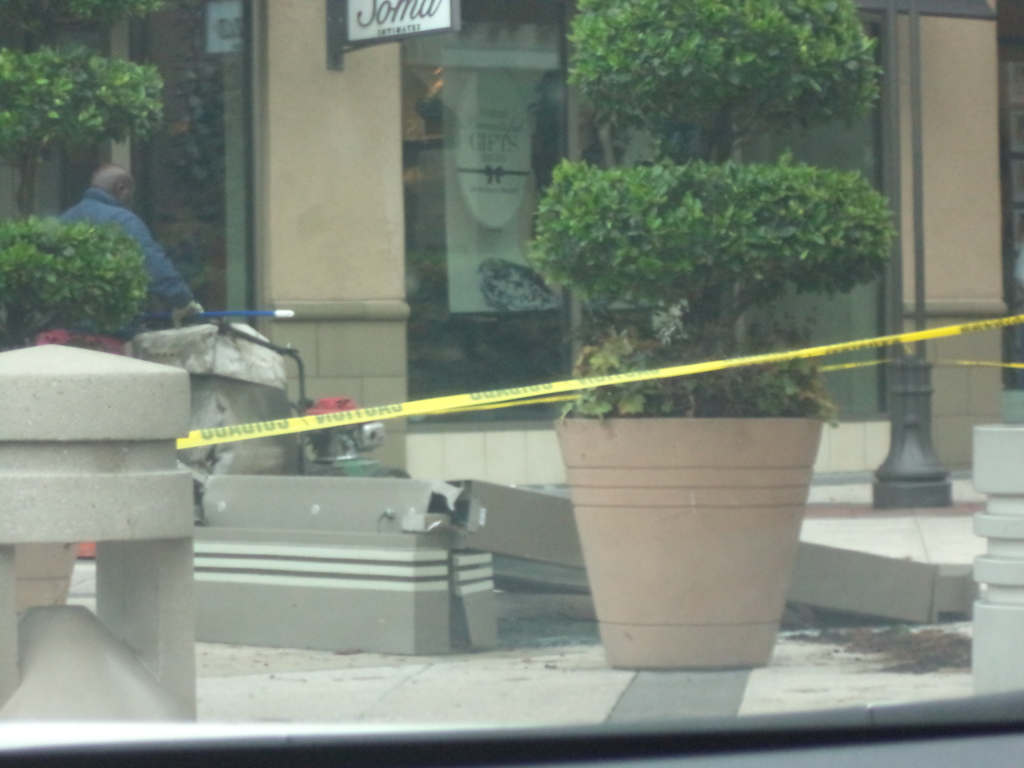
x=378, y=21
x=492, y=148
x=224, y=26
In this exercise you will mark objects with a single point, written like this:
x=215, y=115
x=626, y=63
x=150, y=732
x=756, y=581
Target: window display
x=483, y=125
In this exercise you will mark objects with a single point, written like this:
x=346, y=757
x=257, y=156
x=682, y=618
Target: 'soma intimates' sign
x=370, y=21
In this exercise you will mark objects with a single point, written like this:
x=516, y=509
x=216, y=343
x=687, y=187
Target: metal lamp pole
x=911, y=475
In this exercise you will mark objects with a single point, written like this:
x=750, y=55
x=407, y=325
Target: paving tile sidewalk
x=573, y=683
x=552, y=686
x=841, y=516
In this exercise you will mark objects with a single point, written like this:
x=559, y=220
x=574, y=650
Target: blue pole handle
x=280, y=314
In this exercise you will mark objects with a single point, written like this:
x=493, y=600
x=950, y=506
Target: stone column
x=87, y=453
x=998, y=655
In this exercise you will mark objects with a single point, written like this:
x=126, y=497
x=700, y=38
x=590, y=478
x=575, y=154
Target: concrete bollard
x=66, y=648
x=87, y=453
x=998, y=648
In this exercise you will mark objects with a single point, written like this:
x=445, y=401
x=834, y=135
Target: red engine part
x=331, y=405
x=83, y=340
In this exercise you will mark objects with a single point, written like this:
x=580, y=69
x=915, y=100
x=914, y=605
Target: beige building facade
x=332, y=236
x=329, y=211
x=963, y=219
x=338, y=204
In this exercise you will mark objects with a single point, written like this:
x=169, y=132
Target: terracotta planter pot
x=689, y=530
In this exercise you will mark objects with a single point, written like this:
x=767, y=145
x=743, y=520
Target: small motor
x=344, y=442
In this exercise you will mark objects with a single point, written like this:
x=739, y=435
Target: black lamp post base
x=904, y=494
x=911, y=475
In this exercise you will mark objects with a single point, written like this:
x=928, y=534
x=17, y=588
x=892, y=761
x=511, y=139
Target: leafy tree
x=729, y=69
x=44, y=18
x=699, y=240
x=53, y=95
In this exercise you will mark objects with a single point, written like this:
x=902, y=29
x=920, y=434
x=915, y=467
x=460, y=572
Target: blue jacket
x=101, y=207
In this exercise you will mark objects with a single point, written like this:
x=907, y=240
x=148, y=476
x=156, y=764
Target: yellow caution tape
x=513, y=404
x=433, y=405
x=882, y=361
x=822, y=369
x=848, y=366
x=981, y=363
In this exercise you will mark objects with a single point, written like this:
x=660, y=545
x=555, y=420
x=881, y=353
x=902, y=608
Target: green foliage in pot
x=52, y=95
x=704, y=243
x=76, y=276
x=729, y=68
x=792, y=388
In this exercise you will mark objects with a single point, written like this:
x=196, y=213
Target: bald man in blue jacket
x=108, y=201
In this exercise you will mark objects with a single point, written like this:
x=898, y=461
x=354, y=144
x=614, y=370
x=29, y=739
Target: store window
x=483, y=124
x=194, y=176
x=483, y=114
x=858, y=314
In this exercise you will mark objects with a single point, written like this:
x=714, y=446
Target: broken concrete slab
x=525, y=524
x=330, y=504
x=222, y=402
x=518, y=574
x=871, y=585
x=533, y=536
x=824, y=578
x=342, y=564
x=387, y=593
x=204, y=350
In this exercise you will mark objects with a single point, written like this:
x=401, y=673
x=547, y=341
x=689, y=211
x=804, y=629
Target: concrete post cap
x=58, y=393
x=998, y=449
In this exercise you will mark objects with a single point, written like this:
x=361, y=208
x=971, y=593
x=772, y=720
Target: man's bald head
x=115, y=180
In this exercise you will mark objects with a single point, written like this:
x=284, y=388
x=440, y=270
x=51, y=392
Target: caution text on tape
x=434, y=405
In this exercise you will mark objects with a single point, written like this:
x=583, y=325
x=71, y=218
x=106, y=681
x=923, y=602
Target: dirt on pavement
x=901, y=649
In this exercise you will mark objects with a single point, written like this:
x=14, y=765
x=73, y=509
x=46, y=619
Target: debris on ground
x=902, y=649
x=546, y=632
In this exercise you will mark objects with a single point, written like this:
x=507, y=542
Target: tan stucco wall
x=330, y=208
x=964, y=396
x=335, y=225
x=962, y=217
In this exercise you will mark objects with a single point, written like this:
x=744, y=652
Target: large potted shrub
x=689, y=493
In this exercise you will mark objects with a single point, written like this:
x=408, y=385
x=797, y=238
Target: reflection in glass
x=854, y=315
x=193, y=177
x=483, y=127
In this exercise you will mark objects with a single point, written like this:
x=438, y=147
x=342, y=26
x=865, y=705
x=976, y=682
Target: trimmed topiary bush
x=43, y=17
x=717, y=239
x=702, y=243
x=75, y=276
x=729, y=68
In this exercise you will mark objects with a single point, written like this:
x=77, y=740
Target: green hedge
x=76, y=276
x=720, y=239
x=73, y=97
x=44, y=16
x=732, y=67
